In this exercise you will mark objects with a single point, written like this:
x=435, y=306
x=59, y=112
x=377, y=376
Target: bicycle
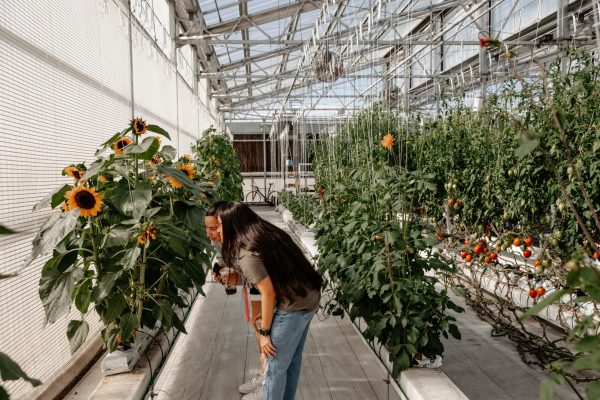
x=256, y=194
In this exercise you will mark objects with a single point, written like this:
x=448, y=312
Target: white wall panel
x=65, y=87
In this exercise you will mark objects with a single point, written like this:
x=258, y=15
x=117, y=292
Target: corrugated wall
x=65, y=87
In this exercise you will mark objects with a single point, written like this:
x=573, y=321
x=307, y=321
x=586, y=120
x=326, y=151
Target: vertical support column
x=174, y=31
x=263, y=128
x=562, y=30
x=436, y=58
x=130, y=30
x=484, y=63
x=195, y=70
x=407, y=69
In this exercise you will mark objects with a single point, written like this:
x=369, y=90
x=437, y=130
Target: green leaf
x=118, y=236
x=400, y=364
x=127, y=325
x=131, y=257
x=163, y=312
x=4, y=394
x=5, y=231
x=181, y=177
x=82, y=295
x=111, y=308
x=105, y=284
x=47, y=200
x=132, y=202
x=53, y=232
x=93, y=170
x=10, y=371
x=547, y=389
x=592, y=390
x=159, y=130
x=588, y=361
x=526, y=147
x=59, y=196
x=549, y=299
x=588, y=343
x=453, y=329
x=168, y=153
x=391, y=236
x=55, y=291
x=77, y=332
x=145, y=150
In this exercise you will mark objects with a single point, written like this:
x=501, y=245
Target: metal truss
x=374, y=45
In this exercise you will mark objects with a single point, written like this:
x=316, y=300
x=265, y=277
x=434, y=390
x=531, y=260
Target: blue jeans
x=288, y=334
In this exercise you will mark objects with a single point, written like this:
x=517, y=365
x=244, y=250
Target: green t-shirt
x=254, y=270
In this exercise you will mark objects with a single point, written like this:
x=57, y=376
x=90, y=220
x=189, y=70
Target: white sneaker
x=425, y=362
x=256, y=394
x=253, y=383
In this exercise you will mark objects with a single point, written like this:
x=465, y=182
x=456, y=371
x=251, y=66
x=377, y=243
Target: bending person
x=290, y=287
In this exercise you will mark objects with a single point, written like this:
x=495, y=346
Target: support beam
x=264, y=17
x=265, y=56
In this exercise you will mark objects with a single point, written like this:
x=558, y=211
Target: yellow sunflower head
x=188, y=169
x=74, y=172
x=86, y=199
x=120, y=144
x=139, y=126
x=388, y=141
x=65, y=206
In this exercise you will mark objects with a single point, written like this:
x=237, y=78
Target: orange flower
x=217, y=174
x=188, y=169
x=155, y=160
x=388, y=141
x=139, y=126
x=120, y=144
x=86, y=199
x=74, y=172
x=102, y=178
x=174, y=182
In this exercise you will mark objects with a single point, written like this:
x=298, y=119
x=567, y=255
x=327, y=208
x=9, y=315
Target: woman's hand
x=266, y=347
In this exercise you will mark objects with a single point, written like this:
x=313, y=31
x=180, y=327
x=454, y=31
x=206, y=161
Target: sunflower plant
x=217, y=155
x=126, y=239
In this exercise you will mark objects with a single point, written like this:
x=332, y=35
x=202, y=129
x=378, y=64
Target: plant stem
x=141, y=294
x=94, y=246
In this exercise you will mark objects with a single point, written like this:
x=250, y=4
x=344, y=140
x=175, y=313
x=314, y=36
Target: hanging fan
x=327, y=66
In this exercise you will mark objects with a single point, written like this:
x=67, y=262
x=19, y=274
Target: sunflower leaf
x=10, y=371
x=47, y=200
x=55, y=291
x=128, y=324
x=93, y=169
x=181, y=177
x=132, y=202
x=77, y=332
x=59, y=196
x=145, y=150
x=5, y=231
x=159, y=130
x=168, y=153
x=53, y=232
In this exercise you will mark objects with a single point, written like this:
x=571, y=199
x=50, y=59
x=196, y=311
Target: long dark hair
x=290, y=272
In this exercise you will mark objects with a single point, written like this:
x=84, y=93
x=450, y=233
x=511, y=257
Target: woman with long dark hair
x=289, y=285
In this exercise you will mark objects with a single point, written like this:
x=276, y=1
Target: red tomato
x=488, y=259
x=527, y=253
x=494, y=256
x=537, y=263
x=463, y=254
x=450, y=202
x=528, y=241
x=517, y=241
x=469, y=258
x=540, y=291
x=596, y=255
x=533, y=293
